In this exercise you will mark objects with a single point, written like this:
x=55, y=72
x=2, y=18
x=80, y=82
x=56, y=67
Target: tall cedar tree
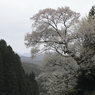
x=32, y=84
x=1, y=76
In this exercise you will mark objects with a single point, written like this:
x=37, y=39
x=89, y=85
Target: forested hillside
x=29, y=67
x=13, y=80
x=30, y=64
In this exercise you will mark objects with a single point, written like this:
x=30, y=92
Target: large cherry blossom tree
x=52, y=29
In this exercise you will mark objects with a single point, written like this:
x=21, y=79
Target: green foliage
x=86, y=80
x=12, y=75
x=32, y=86
x=92, y=12
x=1, y=76
x=71, y=92
x=92, y=93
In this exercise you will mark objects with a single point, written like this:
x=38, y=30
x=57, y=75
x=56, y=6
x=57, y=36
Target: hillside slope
x=29, y=67
x=30, y=64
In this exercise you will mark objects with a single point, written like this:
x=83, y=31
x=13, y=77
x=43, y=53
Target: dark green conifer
x=92, y=12
x=34, y=84
x=1, y=77
x=13, y=80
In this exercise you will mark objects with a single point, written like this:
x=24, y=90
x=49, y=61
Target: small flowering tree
x=56, y=74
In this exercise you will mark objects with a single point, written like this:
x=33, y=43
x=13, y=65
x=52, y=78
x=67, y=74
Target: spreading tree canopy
x=52, y=29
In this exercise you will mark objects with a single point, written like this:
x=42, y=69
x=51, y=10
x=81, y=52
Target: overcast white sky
x=15, y=17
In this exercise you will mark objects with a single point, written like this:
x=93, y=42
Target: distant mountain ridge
x=26, y=54
x=37, y=60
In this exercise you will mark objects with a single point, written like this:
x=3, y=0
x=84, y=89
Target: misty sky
x=15, y=17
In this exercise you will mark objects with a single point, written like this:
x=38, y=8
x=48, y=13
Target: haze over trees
x=60, y=31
